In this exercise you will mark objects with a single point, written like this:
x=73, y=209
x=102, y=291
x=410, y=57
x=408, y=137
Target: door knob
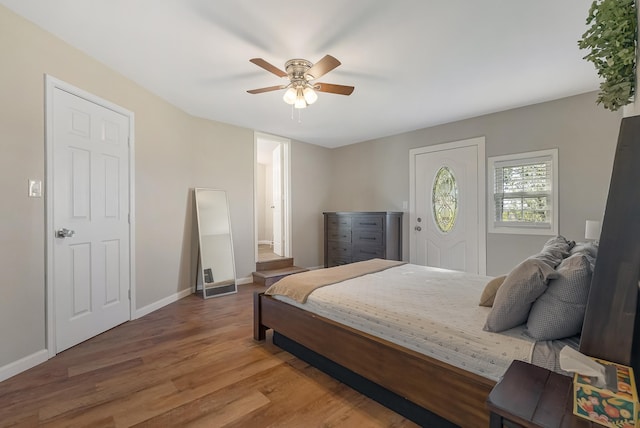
x=418, y=228
x=65, y=233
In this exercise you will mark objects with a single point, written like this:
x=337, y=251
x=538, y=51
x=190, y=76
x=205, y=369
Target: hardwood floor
x=265, y=252
x=192, y=363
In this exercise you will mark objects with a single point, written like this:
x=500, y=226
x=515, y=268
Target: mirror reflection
x=216, y=264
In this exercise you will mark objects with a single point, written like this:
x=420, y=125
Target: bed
x=433, y=391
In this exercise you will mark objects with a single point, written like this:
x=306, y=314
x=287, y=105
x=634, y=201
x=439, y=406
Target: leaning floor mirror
x=216, y=267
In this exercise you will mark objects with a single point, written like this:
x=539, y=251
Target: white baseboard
x=161, y=303
x=245, y=280
x=23, y=364
x=265, y=242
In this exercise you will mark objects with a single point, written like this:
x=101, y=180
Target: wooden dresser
x=361, y=235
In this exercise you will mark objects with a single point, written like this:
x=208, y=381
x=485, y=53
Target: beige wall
x=374, y=175
x=223, y=159
x=310, y=194
x=174, y=152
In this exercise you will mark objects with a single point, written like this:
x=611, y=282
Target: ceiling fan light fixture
x=301, y=91
x=300, y=101
x=310, y=95
x=289, y=96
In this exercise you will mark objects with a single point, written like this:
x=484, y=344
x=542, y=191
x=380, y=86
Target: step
x=280, y=263
x=269, y=277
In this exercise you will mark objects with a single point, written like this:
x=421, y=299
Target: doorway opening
x=272, y=197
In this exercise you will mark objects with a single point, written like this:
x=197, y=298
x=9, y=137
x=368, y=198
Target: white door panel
x=431, y=253
x=457, y=248
x=80, y=275
x=90, y=197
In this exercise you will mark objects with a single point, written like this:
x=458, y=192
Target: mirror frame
x=224, y=287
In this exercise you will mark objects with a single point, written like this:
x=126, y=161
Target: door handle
x=65, y=233
x=418, y=228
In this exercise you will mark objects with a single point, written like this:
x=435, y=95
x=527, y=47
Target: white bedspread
x=429, y=310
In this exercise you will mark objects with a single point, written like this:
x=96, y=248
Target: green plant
x=611, y=39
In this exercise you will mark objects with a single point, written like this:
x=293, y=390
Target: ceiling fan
x=301, y=74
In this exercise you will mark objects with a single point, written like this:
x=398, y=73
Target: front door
x=447, y=220
x=90, y=221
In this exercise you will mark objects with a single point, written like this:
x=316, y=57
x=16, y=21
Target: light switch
x=35, y=188
x=405, y=205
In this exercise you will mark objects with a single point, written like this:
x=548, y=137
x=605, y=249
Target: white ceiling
x=414, y=63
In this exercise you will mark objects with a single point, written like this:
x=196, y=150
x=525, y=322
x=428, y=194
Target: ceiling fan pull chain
x=299, y=114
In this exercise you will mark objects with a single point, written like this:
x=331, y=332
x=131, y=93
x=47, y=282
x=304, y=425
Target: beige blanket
x=299, y=286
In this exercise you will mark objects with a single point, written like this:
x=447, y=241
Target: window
x=524, y=193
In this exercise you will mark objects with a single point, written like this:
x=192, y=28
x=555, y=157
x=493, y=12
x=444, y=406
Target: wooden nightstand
x=530, y=396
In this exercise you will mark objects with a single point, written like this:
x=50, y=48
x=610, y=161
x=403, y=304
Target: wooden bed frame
x=450, y=392
x=457, y=395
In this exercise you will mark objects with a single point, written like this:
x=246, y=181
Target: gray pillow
x=589, y=249
x=522, y=286
x=554, y=251
x=559, y=312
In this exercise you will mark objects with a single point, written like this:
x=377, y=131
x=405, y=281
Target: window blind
x=523, y=192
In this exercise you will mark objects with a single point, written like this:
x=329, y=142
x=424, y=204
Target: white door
x=90, y=205
x=447, y=219
x=277, y=199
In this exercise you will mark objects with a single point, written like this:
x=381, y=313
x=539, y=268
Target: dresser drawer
x=339, y=261
x=367, y=237
x=366, y=252
x=334, y=221
x=339, y=248
x=341, y=234
x=368, y=222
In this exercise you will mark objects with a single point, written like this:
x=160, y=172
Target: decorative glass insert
x=445, y=199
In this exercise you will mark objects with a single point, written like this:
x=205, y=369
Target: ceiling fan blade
x=322, y=67
x=334, y=89
x=268, y=89
x=269, y=67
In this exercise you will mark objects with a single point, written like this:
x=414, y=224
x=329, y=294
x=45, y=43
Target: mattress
x=432, y=311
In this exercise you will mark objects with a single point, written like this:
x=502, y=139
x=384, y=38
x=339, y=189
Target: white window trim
x=516, y=228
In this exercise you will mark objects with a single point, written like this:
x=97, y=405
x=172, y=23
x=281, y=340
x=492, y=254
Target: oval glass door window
x=445, y=199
